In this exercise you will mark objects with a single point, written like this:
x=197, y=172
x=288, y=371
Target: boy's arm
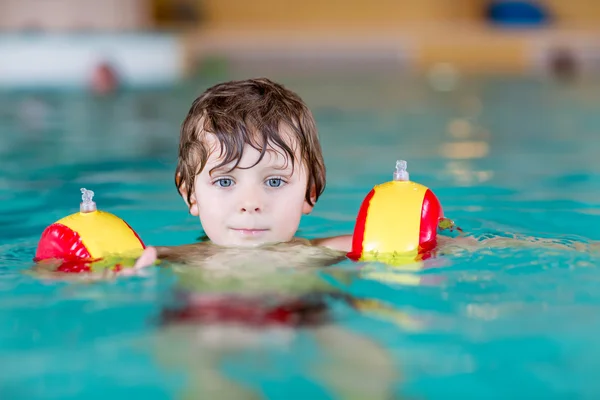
x=340, y=243
x=149, y=257
x=197, y=251
x=182, y=254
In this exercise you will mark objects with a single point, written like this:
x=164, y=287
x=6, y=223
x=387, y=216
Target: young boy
x=250, y=165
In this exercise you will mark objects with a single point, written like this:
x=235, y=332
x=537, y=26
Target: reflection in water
x=263, y=305
x=467, y=141
x=465, y=149
x=78, y=128
x=465, y=175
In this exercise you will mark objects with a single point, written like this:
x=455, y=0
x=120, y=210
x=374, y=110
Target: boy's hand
x=147, y=259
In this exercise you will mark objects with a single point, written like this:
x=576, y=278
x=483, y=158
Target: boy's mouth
x=249, y=231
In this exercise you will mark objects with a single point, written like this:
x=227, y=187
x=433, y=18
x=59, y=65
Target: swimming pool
x=506, y=156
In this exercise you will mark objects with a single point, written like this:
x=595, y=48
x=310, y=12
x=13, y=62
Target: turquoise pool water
x=508, y=158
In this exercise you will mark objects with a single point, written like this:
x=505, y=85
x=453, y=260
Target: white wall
x=59, y=60
x=61, y=15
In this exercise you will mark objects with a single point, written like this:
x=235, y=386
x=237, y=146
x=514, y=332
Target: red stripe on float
x=359, y=229
x=75, y=267
x=61, y=242
x=431, y=212
x=136, y=235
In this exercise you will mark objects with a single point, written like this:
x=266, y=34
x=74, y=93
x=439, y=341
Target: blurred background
x=121, y=67
x=69, y=42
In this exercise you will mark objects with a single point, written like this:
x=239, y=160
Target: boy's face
x=253, y=206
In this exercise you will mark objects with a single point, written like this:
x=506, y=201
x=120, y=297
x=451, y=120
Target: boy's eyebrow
x=222, y=168
x=278, y=167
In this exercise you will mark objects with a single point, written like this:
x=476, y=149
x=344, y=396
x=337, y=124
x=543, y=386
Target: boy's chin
x=250, y=242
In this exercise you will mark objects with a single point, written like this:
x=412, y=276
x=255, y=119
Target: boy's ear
x=192, y=204
x=307, y=208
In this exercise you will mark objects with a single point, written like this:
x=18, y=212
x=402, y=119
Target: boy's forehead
x=251, y=151
x=285, y=133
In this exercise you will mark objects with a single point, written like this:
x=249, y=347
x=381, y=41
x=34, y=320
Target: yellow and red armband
x=87, y=236
x=397, y=219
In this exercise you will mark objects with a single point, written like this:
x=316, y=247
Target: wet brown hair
x=249, y=112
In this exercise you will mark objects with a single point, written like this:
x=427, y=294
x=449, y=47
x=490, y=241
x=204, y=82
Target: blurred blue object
x=508, y=12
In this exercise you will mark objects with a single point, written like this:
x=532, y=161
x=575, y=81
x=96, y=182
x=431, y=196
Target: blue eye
x=224, y=182
x=274, y=182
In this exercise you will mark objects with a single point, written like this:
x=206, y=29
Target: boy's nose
x=250, y=204
x=250, y=209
